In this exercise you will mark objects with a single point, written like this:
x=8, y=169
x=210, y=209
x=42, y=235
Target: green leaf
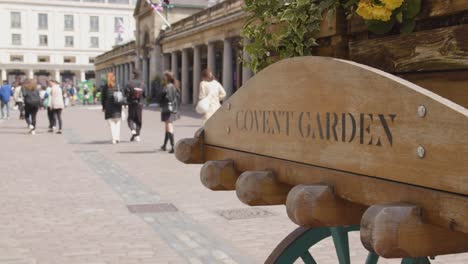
x=302, y=2
x=411, y=8
x=399, y=17
x=379, y=27
x=407, y=26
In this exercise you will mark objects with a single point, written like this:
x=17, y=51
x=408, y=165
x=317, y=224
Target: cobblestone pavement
x=75, y=198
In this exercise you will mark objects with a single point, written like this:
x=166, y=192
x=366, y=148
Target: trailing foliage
x=287, y=28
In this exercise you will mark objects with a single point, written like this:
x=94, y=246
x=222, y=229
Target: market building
x=60, y=39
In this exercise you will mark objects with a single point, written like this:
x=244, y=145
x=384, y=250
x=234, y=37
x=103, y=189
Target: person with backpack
x=5, y=96
x=32, y=101
x=135, y=94
x=112, y=101
x=56, y=104
x=169, y=102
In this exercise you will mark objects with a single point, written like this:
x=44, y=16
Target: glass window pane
x=69, y=25
x=94, y=24
x=69, y=41
x=43, y=21
x=118, y=1
x=43, y=40
x=16, y=39
x=94, y=42
x=15, y=20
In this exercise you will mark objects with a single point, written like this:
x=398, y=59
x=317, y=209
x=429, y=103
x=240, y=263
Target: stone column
x=246, y=71
x=152, y=65
x=174, y=64
x=31, y=74
x=126, y=75
x=227, y=67
x=185, y=77
x=82, y=76
x=131, y=69
x=196, y=73
x=211, y=57
x=4, y=75
x=57, y=75
x=158, y=60
x=166, y=62
x=144, y=73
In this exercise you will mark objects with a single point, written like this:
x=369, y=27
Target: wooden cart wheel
x=297, y=244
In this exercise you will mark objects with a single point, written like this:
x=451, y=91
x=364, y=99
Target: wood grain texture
x=437, y=49
x=452, y=85
x=399, y=231
x=349, y=117
x=318, y=206
x=261, y=188
x=219, y=175
x=449, y=211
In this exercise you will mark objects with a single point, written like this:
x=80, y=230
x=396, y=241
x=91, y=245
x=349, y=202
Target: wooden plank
x=452, y=85
x=437, y=49
x=398, y=231
x=446, y=210
x=430, y=9
x=349, y=117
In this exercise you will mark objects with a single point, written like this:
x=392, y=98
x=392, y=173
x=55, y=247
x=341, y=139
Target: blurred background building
x=60, y=39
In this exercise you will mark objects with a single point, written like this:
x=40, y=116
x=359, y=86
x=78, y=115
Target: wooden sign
x=340, y=115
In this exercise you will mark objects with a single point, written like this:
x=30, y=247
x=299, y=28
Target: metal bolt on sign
x=422, y=111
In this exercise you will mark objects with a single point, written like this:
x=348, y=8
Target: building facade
x=207, y=39
x=145, y=51
x=60, y=39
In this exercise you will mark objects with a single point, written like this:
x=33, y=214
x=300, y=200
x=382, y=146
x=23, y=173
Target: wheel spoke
x=341, y=241
x=372, y=258
x=307, y=258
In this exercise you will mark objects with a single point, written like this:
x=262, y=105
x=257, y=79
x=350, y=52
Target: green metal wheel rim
x=302, y=239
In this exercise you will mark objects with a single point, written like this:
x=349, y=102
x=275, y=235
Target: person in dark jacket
x=169, y=102
x=112, y=110
x=32, y=102
x=135, y=94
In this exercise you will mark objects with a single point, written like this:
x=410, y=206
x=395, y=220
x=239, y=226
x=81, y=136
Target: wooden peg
x=261, y=188
x=190, y=150
x=318, y=206
x=399, y=231
x=219, y=175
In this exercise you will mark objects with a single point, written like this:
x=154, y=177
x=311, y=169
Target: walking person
x=135, y=94
x=56, y=104
x=32, y=102
x=46, y=105
x=210, y=95
x=5, y=96
x=111, y=108
x=169, y=102
x=19, y=100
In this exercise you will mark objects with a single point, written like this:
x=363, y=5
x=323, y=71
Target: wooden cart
x=345, y=147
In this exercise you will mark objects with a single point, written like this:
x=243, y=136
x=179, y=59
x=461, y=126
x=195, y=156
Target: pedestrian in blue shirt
x=5, y=94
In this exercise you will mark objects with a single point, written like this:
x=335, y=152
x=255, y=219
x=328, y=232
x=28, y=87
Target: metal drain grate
x=151, y=208
x=244, y=213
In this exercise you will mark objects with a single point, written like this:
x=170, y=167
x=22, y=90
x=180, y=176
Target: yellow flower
x=370, y=11
x=392, y=4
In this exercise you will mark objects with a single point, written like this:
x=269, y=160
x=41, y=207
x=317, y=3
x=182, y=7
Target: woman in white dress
x=211, y=91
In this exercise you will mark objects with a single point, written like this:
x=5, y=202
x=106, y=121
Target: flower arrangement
x=286, y=28
x=381, y=16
